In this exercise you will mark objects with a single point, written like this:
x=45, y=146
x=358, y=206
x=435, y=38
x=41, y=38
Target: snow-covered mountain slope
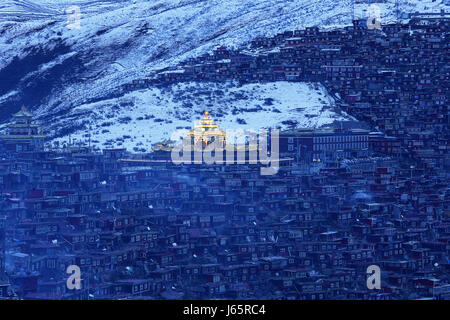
x=53, y=69
x=141, y=118
x=32, y=9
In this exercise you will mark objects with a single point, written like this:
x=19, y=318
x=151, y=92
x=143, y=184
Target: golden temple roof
x=207, y=124
x=166, y=145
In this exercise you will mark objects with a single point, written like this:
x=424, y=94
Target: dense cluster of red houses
x=144, y=228
x=141, y=228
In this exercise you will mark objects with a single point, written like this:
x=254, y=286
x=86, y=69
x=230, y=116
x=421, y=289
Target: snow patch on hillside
x=142, y=118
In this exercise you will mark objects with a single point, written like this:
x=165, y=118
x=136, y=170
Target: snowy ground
x=142, y=118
